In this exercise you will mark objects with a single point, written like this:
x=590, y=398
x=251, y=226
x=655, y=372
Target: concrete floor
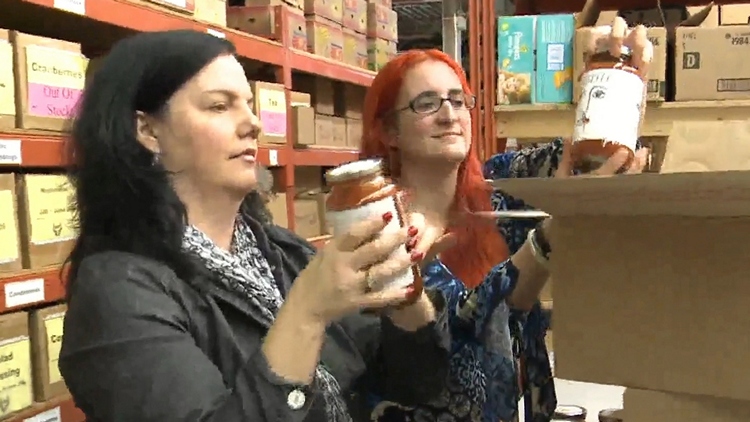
x=593, y=397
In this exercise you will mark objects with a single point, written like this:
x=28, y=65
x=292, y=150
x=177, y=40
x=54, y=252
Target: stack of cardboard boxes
x=360, y=33
x=338, y=112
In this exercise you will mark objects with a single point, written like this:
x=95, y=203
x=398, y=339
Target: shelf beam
x=556, y=120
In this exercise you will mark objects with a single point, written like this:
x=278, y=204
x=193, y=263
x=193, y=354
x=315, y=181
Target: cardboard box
x=320, y=89
x=349, y=100
x=640, y=300
x=353, y=133
x=263, y=21
x=7, y=83
x=515, y=55
x=712, y=63
x=324, y=130
x=660, y=86
x=332, y=10
x=734, y=14
x=270, y=107
x=382, y=22
x=211, y=11
x=16, y=384
x=10, y=240
x=46, y=99
x=657, y=406
x=45, y=217
x=355, y=15
x=379, y=52
x=46, y=330
x=303, y=124
x=325, y=38
x=355, y=48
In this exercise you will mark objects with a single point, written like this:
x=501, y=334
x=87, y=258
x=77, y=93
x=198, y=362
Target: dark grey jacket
x=142, y=345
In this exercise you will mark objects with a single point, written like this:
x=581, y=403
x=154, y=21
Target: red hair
x=477, y=249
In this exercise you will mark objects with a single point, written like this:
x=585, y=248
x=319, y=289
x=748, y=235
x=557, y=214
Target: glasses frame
x=443, y=100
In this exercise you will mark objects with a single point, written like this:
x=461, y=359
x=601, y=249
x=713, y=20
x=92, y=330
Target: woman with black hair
x=185, y=303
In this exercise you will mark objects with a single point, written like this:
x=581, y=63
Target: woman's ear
x=145, y=132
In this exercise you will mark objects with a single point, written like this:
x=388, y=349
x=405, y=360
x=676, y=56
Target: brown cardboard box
x=46, y=330
x=309, y=215
x=277, y=206
x=332, y=10
x=321, y=91
x=355, y=15
x=15, y=363
x=382, y=22
x=379, y=52
x=353, y=133
x=303, y=124
x=211, y=11
x=712, y=63
x=657, y=406
x=7, y=83
x=263, y=22
x=349, y=100
x=324, y=131
x=45, y=217
x=660, y=75
x=270, y=107
x=339, y=132
x=300, y=99
x=640, y=301
x=325, y=37
x=735, y=14
x=355, y=49
x=297, y=4
x=45, y=102
x=10, y=241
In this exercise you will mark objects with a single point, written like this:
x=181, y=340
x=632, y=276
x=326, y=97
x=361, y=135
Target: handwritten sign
x=15, y=375
x=272, y=111
x=55, y=80
x=50, y=211
x=7, y=83
x=53, y=325
x=8, y=228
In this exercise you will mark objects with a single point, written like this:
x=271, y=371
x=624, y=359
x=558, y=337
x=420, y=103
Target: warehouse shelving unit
x=77, y=20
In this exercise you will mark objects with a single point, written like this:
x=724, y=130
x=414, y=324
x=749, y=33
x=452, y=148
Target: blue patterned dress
x=489, y=338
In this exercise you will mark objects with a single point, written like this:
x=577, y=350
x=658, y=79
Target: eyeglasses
x=428, y=103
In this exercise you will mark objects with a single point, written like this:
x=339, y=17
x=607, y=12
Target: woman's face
x=444, y=134
x=208, y=135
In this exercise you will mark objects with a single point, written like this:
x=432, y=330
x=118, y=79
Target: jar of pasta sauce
x=360, y=190
x=609, y=111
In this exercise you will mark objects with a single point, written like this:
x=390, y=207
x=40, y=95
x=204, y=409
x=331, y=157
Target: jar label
x=342, y=221
x=609, y=107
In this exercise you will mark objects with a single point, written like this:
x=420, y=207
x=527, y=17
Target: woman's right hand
x=337, y=280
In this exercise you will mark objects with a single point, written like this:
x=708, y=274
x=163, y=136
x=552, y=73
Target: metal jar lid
x=354, y=170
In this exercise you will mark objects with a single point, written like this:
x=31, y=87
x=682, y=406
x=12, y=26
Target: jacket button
x=295, y=400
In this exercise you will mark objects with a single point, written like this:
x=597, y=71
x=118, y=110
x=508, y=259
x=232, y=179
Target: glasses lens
x=426, y=103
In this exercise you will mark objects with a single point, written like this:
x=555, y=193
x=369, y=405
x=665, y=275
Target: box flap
x=689, y=194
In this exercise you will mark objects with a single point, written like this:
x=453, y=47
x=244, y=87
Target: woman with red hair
x=417, y=118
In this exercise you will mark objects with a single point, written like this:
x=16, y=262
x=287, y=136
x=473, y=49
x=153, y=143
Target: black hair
x=123, y=197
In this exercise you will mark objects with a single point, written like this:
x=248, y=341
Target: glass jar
x=609, y=111
x=359, y=190
x=569, y=413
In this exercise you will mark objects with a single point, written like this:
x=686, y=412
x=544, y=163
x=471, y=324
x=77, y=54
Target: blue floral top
x=490, y=338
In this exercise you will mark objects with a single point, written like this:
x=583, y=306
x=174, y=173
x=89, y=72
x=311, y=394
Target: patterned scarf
x=245, y=271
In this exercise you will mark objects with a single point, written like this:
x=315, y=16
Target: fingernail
x=412, y=231
x=409, y=291
x=387, y=217
x=416, y=256
x=411, y=243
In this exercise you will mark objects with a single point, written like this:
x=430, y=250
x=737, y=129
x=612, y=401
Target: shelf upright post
x=284, y=76
x=452, y=29
x=489, y=75
x=475, y=71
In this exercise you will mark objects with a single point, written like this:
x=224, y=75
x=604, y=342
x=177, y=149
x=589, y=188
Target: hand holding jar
x=340, y=279
x=613, y=99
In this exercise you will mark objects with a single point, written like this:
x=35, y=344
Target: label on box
x=73, y=6
x=7, y=84
x=52, y=415
x=272, y=106
x=10, y=151
x=15, y=375
x=50, y=212
x=53, y=325
x=19, y=293
x=8, y=228
x=55, y=80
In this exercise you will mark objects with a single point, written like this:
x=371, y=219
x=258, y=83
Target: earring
x=155, y=159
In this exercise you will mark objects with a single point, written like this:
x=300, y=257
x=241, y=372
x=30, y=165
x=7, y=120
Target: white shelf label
x=215, y=33
x=273, y=157
x=52, y=415
x=72, y=6
x=10, y=151
x=19, y=293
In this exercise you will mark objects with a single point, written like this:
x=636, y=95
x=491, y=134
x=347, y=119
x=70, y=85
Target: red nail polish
x=411, y=243
x=409, y=290
x=412, y=231
x=416, y=256
x=387, y=217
